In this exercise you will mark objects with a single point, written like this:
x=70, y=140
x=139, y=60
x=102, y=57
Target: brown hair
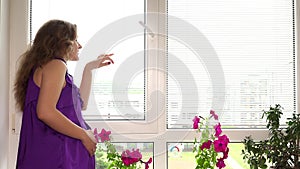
x=54, y=39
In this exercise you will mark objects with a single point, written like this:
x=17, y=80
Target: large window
x=236, y=57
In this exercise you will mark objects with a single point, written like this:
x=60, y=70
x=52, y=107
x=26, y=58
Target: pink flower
x=224, y=138
x=218, y=129
x=220, y=145
x=196, y=120
x=147, y=163
x=206, y=145
x=225, y=154
x=220, y=163
x=131, y=157
x=104, y=135
x=213, y=114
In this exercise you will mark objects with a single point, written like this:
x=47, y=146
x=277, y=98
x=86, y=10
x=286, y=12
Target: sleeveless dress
x=41, y=147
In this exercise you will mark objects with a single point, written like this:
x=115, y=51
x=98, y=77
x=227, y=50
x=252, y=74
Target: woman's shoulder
x=55, y=66
x=53, y=72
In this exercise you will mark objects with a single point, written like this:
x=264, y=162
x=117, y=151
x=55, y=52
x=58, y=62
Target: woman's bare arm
x=86, y=82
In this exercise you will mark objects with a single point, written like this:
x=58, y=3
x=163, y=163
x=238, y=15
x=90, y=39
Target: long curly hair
x=54, y=39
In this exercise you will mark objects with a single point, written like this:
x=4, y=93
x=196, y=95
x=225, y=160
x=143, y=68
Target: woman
x=53, y=133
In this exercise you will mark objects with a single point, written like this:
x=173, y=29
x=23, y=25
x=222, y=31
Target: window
x=235, y=57
x=181, y=155
x=118, y=91
x=145, y=148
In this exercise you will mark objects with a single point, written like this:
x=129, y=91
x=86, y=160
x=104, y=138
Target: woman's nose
x=79, y=46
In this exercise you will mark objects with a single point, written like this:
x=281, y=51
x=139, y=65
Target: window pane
x=235, y=57
x=100, y=31
x=145, y=148
x=180, y=155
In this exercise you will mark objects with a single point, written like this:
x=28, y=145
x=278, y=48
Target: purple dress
x=41, y=147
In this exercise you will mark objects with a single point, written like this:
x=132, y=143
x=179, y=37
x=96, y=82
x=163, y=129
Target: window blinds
x=237, y=57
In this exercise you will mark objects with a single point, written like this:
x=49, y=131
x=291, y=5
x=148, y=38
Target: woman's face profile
x=75, y=52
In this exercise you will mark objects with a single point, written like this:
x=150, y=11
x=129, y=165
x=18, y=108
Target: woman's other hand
x=88, y=143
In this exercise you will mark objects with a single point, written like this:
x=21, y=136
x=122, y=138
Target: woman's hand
x=88, y=143
x=102, y=60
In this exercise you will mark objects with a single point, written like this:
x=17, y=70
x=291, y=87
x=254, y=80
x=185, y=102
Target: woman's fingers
x=105, y=55
x=102, y=60
x=109, y=59
x=89, y=144
x=93, y=149
x=106, y=60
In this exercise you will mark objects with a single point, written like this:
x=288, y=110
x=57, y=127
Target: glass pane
x=234, y=57
x=180, y=155
x=105, y=27
x=146, y=149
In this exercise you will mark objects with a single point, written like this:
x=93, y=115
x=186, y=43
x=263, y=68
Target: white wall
x=4, y=80
x=17, y=44
x=13, y=42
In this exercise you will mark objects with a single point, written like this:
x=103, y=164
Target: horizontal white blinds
x=234, y=56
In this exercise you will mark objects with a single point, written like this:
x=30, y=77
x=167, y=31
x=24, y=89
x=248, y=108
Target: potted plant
x=211, y=148
x=281, y=149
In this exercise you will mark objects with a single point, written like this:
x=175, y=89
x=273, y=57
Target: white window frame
x=135, y=132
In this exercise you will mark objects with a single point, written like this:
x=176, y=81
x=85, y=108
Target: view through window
x=236, y=57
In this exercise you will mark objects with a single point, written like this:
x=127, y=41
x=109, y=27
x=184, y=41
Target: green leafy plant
x=281, y=149
x=101, y=161
x=212, y=148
